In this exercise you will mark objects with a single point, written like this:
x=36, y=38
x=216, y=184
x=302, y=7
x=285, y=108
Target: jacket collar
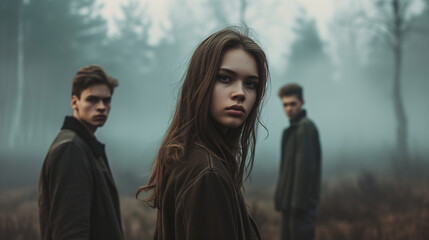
x=75, y=125
x=301, y=115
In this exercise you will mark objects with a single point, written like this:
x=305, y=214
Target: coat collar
x=301, y=115
x=75, y=125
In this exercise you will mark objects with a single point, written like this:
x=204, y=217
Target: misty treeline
x=391, y=60
x=44, y=42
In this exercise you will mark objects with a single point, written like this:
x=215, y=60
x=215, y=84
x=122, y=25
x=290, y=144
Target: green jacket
x=298, y=185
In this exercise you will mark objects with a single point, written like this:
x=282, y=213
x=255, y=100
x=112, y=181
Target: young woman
x=198, y=174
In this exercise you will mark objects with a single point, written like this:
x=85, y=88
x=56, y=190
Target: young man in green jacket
x=298, y=187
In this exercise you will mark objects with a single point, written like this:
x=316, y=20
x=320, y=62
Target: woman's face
x=234, y=92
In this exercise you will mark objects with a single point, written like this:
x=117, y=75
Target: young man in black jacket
x=298, y=188
x=77, y=194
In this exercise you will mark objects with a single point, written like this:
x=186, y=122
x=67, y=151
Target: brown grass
x=370, y=208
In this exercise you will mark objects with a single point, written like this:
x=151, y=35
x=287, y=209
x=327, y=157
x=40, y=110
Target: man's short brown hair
x=91, y=75
x=290, y=90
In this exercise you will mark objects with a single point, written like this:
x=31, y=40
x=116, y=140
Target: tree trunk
x=243, y=6
x=16, y=119
x=401, y=132
x=9, y=14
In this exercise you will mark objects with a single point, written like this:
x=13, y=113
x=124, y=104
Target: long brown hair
x=192, y=122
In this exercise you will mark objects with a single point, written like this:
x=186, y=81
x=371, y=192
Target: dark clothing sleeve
x=206, y=209
x=282, y=146
x=307, y=168
x=70, y=185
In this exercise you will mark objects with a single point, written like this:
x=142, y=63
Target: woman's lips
x=235, y=110
x=235, y=113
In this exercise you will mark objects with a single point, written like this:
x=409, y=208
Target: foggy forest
x=364, y=67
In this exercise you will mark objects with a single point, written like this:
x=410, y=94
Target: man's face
x=93, y=106
x=292, y=106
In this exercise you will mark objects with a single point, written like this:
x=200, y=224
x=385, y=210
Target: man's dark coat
x=77, y=195
x=298, y=186
x=201, y=202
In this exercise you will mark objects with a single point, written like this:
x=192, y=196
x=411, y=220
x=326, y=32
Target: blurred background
x=364, y=66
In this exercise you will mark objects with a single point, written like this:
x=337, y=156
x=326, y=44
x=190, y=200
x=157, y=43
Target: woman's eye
x=224, y=78
x=252, y=84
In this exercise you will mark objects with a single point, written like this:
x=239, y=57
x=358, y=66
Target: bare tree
x=397, y=28
x=392, y=22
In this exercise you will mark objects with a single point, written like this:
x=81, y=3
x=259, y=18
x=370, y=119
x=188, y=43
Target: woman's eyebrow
x=229, y=71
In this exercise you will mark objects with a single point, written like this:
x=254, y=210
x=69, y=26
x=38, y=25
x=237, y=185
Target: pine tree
x=308, y=63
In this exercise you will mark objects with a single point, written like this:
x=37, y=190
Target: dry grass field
x=368, y=207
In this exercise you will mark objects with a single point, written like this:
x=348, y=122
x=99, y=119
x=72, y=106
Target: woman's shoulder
x=198, y=161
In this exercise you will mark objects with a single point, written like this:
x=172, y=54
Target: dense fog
x=345, y=64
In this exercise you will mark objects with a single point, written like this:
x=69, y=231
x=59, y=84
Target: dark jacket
x=298, y=186
x=77, y=195
x=201, y=202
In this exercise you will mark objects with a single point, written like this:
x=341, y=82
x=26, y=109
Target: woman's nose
x=238, y=91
